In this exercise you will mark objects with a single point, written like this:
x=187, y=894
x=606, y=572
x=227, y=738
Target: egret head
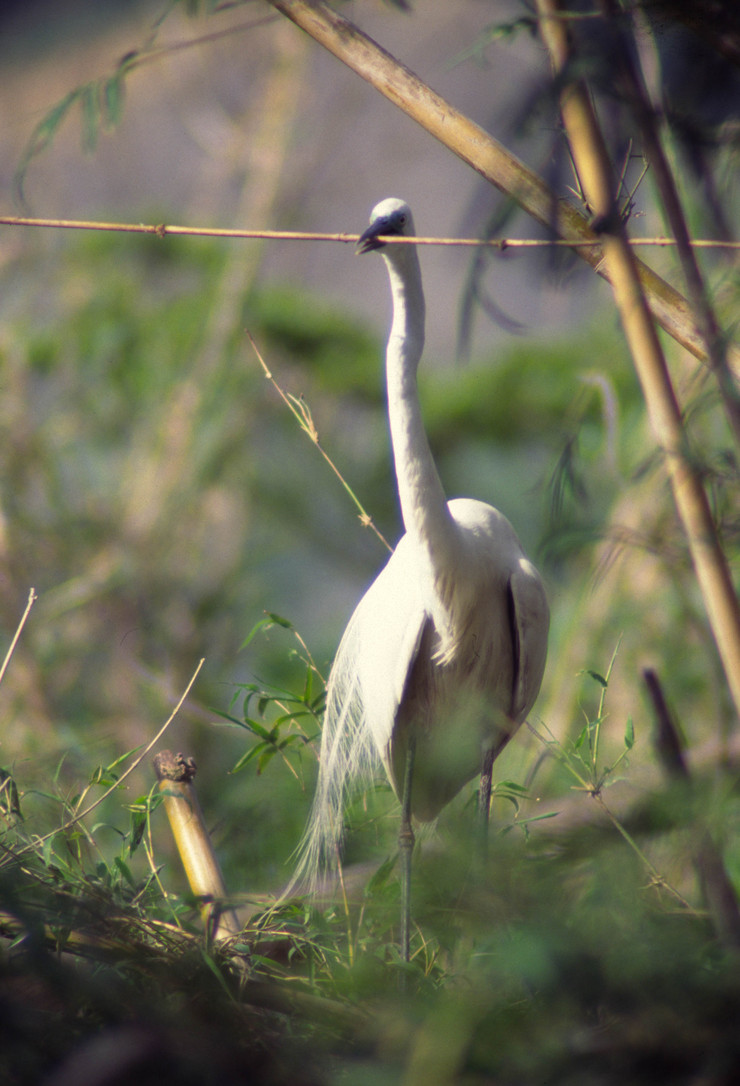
x=389, y=218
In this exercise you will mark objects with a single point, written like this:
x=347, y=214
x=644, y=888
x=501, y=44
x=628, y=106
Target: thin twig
x=595, y=791
x=32, y=597
x=302, y=414
x=79, y=815
x=152, y=53
x=655, y=876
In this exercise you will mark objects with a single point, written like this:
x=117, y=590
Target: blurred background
x=159, y=496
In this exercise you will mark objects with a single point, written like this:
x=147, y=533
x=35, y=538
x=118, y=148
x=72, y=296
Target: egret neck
x=423, y=503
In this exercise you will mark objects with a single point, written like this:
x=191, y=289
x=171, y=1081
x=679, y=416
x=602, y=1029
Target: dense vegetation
x=165, y=505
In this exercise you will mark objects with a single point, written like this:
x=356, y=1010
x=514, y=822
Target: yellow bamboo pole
x=596, y=176
x=175, y=774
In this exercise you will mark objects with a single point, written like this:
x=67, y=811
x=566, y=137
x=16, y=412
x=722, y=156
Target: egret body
x=444, y=654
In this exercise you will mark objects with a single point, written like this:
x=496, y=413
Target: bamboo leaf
x=138, y=828
x=125, y=870
x=266, y=623
x=257, y=729
x=41, y=137
x=113, y=95
x=90, y=106
x=249, y=756
x=629, y=734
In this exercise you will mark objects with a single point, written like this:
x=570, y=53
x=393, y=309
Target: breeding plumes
x=444, y=654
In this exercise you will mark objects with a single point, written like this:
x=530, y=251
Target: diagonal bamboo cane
x=631, y=85
x=638, y=291
x=594, y=170
x=486, y=155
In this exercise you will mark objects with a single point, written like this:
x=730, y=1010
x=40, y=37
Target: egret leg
x=405, y=850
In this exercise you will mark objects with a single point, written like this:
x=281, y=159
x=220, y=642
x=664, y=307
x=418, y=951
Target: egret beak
x=369, y=240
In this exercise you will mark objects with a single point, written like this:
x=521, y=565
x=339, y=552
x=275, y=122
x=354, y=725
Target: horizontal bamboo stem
x=171, y=229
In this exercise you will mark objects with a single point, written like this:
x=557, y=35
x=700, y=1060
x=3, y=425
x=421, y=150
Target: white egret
x=444, y=655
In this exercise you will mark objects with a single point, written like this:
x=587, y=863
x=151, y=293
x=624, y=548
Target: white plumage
x=448, y=644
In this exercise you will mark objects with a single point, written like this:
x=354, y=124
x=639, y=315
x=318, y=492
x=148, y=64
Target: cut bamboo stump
x=175, y=774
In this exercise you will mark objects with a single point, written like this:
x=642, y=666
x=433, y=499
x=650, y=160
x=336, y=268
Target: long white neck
x=423, y=502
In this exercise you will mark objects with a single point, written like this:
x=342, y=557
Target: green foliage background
x=162, y=500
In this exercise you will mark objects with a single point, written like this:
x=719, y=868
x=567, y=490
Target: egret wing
x=530, y=616
x=365, y=688
x=391, y=619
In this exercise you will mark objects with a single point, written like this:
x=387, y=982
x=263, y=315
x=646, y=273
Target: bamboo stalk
x=162, y=230
x=175, y=774
x=486, y=155
x=594, y=169
x=633, y=88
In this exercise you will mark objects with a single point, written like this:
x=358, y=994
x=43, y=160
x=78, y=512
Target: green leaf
x=125, y=870
x=257, y=729
x=629, y=734
x=41, y=137
x=270, y=620
x=229, y=718
x=90, y=105
x=289, y=740
x=512, y=800
x=278, y=620
x=265, y=758
x=512, y=786
x=124, y=757
x=105, y=826
x=112, y=96
x=524, y=822
x=493, y=33
x=138, y=827
x=250, y=755
x=47, y=851
x=103, y=776
x=381, y=876
x=9, y=801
